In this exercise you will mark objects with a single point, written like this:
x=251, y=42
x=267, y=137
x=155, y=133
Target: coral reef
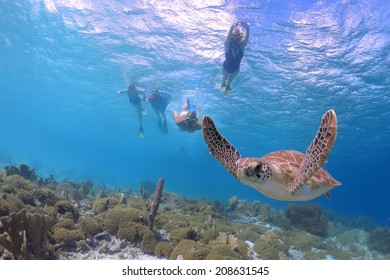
x=222, y=252
x=46, y=196
x=299, y=242
x=25, y=235
x=268, y=246
x=77, y=220
x=68, y=236
x=91, y=226
x=189, y=250
x=183, y=233
x=307, y=217
x=101, y=205
x=66, y=208
x=163, y=249
x=119, y=216
x=233, y=203
x=23, y=170
x=379, y=239
x=146, y=187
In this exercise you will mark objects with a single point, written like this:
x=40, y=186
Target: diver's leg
x=224, y=78
x=164, y=129
x=139, y=113
x=159, y=125
x=231, y=76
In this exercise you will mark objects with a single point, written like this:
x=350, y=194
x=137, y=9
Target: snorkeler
x=159, y=101
x=187, y=120
x=235, y=44
x=135, y=95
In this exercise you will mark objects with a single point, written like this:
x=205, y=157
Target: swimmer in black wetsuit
x=234, y=51
x=134, y=94
x=159, y=101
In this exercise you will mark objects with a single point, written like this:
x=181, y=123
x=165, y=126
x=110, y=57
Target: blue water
x=62, y=62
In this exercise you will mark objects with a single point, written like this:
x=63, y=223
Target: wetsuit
x=134, y=98
x=232, y=63
x=159, y=101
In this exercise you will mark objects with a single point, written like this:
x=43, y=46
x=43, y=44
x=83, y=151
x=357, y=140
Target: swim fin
x=164, y=128
x=141, y=132
x=228, y=91
x=223, y=87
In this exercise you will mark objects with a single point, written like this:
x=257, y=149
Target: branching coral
x=25, y=234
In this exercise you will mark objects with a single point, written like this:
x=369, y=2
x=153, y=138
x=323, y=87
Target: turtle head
x=254, y=169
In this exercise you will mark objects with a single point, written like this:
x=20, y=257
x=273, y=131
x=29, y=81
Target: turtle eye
x=255, y=167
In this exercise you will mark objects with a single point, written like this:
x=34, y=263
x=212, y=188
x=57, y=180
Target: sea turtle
x=282, y=175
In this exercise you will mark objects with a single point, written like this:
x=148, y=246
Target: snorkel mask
x=192, y=119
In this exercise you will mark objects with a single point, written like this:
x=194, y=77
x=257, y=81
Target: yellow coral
x=148, y=242
x=69, y=237
x=222, y=252
x=131, y=231
x=4, y=207
x=91, y=226
x=65, y=223
x=163, y=249
x=189, y=250
x=118, y=216
x=183, y=233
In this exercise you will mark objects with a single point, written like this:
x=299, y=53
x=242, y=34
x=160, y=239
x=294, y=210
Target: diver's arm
x=121, y=91
x=142, y=94
x=229, y=37
x=245, y=42
x=176, y=116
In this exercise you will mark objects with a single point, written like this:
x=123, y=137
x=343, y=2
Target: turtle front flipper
x=317, y=152
x=219, y=147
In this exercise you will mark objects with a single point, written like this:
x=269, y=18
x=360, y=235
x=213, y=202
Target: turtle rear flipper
x=317, y=152
x=219, y=147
